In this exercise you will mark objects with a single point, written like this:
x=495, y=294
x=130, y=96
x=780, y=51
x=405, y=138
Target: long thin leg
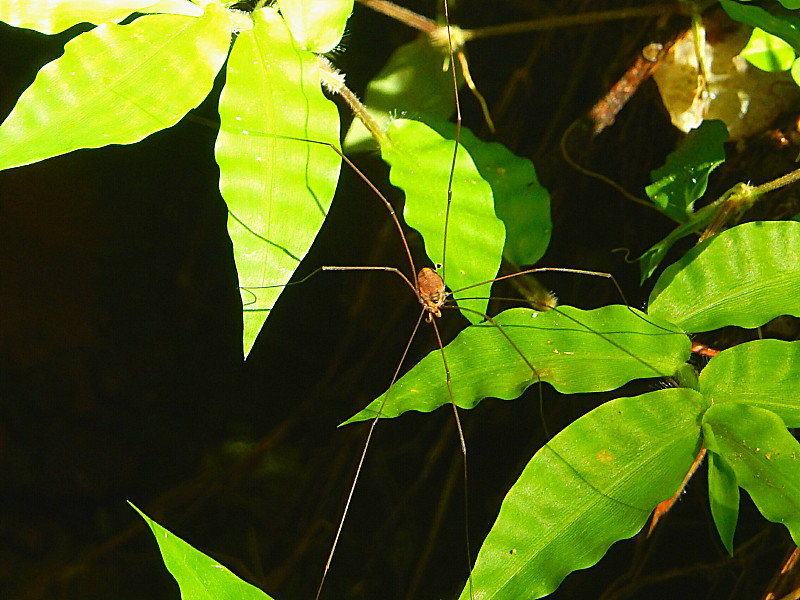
x=463, y=452
x=363, y=456
x=371, y=268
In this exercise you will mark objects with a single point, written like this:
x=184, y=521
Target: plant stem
x=333, y=81
x=427, y=25
x=589, y=18
x=740, y=198
x=778, y=183
x=409, y=17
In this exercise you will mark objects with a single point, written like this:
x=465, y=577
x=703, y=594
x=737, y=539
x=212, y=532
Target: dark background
x=122, y=376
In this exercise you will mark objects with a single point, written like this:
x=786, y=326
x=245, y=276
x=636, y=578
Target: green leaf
x=595, y=483
x=730, y=205
x=723, y=497
x=278, y=186
x=649, y=261
x=744, y=276
x=412, y=82
x=116, y=85
x=795, y=71
x=574, y=350
x=785, y=27
x=684, y=177
x=176, y=7
x=768, y=52
x=520, y=201
x=762, y=373
x=199, y=577
x=764, y=456
x=316, y=25
x=790, y=4
x=54, y=16
x=420, y=162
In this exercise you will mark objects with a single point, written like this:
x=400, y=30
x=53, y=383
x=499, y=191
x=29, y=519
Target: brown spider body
x=432, y=295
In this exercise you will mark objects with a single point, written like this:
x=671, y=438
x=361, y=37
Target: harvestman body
x=431, y=292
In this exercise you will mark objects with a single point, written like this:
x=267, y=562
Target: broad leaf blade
x=420, y=162
x=723, y=497
x=684, y=177
x=744, y=276
x=117, y=85
x=278, y=186
x=595, y=483
x=575, y=351
x=54, y=16
x=199, y=577
x=316, y=25
x=762, y=373
x=520, y=201
x=764, y=456
x=768, y=52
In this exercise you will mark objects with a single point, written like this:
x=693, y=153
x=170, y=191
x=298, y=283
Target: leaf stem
x=778, y=183
x=333, y=81
x=740, y=198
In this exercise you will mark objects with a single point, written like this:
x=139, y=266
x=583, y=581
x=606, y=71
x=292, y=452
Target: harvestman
x=429, y=287
x=430, y=290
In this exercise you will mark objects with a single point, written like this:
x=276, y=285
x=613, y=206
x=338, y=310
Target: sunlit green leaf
x=278, y=187
x=317, y=25
x=764, y=456
x=763, y=373
x=176, y=7
x=723, y=498
x=684, y=177
x=116, y=85
x=199, y=577
x=411, y=83
x=520, y=201
x=573, y=350
x=786, y=27
x=420, y=162
x=744, y=276
x=54, y=16
x=768, y=52
x=595, y=483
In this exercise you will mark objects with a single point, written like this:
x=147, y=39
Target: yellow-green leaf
x=117, y=84
x=54, y=16
x=595, y=483
x=317, y=25
x=768, y=52
x=277, y=185
x=199, y=577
